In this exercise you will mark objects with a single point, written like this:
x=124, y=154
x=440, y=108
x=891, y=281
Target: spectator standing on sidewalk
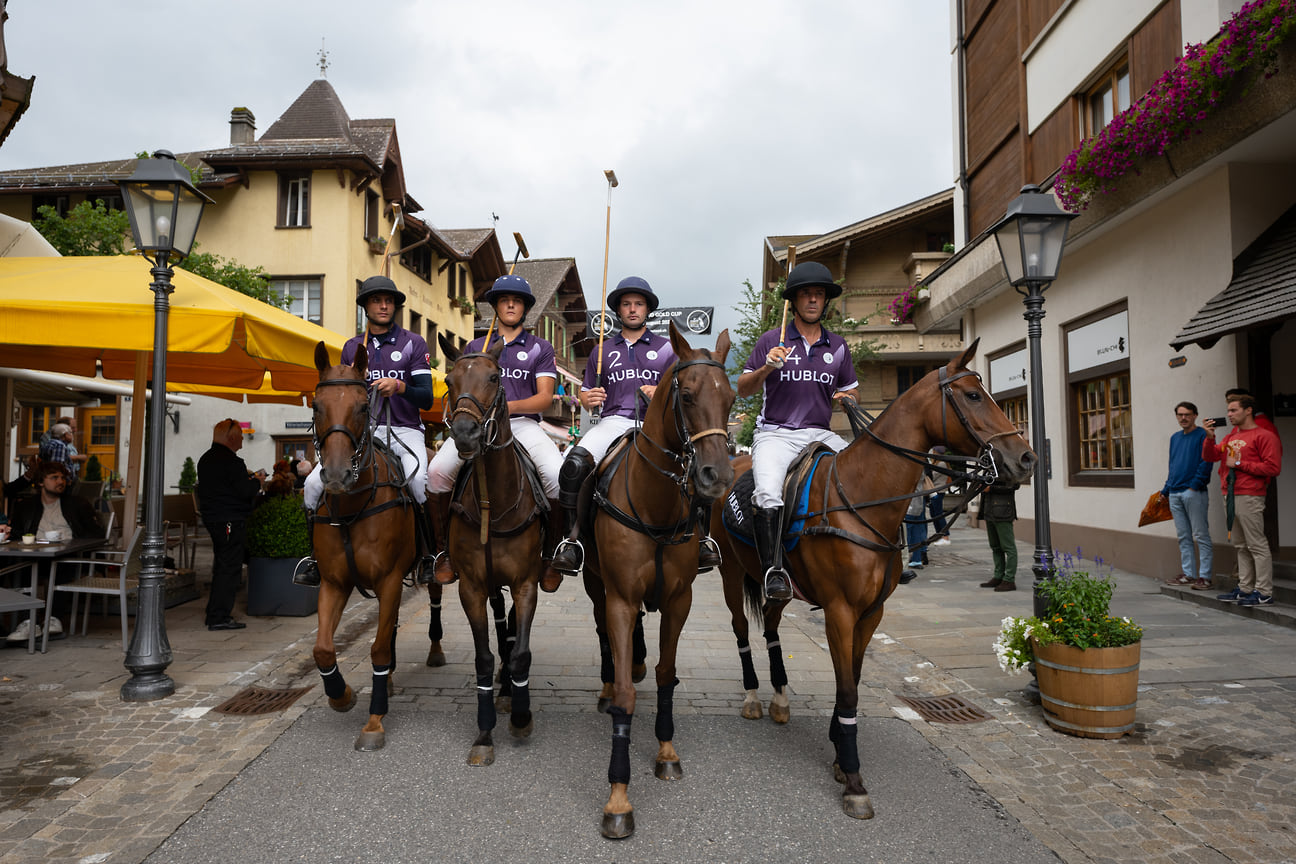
x=1250, y=457
x=999, y=510
x=915, y=522
x=1186, y=487
x=226, y=493
x=936, y=501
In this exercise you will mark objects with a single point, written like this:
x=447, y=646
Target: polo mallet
x=791, y=262
x=521, y=251
x=398, y=223
x=597, y=410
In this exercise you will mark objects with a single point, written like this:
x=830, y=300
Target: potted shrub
x=1086, y=660
x=277, y=538
x=93, y=470
x=188, y=476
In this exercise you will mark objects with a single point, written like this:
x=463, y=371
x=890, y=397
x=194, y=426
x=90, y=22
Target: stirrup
x=423, y=573
x=708, y=554
x=306, y=573
x=777, y=584
x=569, y=557
x=442, y=572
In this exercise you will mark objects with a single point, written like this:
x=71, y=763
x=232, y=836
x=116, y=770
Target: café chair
x=124, y=578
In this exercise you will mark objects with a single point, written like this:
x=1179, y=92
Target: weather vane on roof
x=323, y=59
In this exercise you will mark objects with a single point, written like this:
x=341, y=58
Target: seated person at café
x=52, y=510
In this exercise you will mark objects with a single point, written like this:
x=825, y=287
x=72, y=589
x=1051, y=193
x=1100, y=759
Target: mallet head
x=611, y=177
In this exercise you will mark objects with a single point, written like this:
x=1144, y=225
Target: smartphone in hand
x=1221, y=422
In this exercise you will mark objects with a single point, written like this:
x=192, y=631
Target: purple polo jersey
x=626, y=368
x=398, y=353
x=523, y=361
x=799, y=396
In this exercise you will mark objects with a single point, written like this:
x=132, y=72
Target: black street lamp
x=1030, y=237
x=164, y=208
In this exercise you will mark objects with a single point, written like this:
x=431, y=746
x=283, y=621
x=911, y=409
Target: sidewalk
x=85, y=777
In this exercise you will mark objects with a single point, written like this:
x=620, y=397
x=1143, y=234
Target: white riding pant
x=539, y=446
x=601, y=435
x=412, y=450
x=773, y=450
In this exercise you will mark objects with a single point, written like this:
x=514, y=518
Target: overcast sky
x=725, y=120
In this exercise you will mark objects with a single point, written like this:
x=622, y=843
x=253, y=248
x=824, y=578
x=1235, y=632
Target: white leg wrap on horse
x=746, y=649
x=846, y=721
x=523, y=683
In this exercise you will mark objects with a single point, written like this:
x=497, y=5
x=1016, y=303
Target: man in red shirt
x=1252, y=456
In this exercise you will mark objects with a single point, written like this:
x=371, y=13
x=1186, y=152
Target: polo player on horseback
x=400, y=374
x=636, y=359
x=530, y=379
x=800, y=380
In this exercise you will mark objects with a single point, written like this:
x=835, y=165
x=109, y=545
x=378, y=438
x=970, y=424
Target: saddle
x=599, y=487
x=737, y=513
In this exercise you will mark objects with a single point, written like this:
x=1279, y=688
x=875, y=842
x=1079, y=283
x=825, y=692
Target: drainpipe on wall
x=960, y=55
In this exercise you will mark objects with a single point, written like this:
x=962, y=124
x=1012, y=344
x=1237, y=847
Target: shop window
x=1099, y=409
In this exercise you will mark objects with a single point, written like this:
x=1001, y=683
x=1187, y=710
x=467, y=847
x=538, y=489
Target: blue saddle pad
x=737, y=513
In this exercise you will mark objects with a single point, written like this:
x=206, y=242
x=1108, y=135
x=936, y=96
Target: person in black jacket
x=51, y=510
x=226, y=493
x=999, y=510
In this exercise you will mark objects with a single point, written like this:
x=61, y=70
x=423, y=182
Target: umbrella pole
x=150, y=653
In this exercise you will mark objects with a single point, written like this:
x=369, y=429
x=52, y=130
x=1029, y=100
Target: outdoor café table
x=13, y=601
x=14, y=552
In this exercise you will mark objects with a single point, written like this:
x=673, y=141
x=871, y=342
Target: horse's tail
x=755, y=599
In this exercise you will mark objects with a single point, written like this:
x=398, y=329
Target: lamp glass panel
x=1010, y=250
x=188, y=212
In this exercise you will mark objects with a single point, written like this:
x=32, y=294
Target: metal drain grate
x=945, y=709
x=259, y=700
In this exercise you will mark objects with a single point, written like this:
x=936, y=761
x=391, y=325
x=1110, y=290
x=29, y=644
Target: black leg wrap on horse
x=485, y=703
x=334, y=685
x=778, y=672
x=639, y=649
x=607, y=671
x=435, y=633
x=521, y=680
x=665, y=724
x=847, y=751
x=378, y=697
x=619, y=767
x=750, y=681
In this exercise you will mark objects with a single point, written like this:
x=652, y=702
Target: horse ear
x=361, y=361
x=448, y=348
x=679, y=344
x=322, y=356
x=497, y=350
x=965, y=361
x=722, y=346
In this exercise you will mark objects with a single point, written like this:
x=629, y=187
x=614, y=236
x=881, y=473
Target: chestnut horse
x=363, y=532
x=645, y=522
x=846, y=559
x=494, y=540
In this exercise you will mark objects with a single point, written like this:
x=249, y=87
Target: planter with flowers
x=901, y=308
x=1086, y=660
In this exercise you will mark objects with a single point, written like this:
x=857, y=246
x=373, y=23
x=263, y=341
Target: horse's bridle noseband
x=361, y=448
x=686, y=458
x=485, y=416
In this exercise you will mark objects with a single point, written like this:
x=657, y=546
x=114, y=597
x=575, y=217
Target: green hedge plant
x=277, y=528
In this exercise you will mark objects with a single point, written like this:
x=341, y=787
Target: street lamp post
x=1030, y=237
x=164, y=208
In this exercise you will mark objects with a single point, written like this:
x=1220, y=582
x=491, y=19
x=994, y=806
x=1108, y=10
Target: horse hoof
x=436, y=657
x=752, y=711
x=346, y=703
x=604, y=703
x=481, y=755
x=638, y=672
x=523, y=731
x=857, y=806
x=838, y=774
x=618, y=826
x=780, y=713
x=504, y=704
x=668, y=770
x=370, y=741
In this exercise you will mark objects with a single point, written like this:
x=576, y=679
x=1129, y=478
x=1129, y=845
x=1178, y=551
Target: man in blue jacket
x=1185, y=486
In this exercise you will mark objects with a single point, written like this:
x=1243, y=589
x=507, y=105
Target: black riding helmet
x=378, y=285
x=811, y=274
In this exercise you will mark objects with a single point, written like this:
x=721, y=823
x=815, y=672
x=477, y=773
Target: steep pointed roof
x=317, y=113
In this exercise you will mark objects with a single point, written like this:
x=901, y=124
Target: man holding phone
x=1250, y=457
x=1185, y=488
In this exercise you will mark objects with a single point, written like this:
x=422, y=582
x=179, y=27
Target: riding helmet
x=511, y=285
x=811, y=274
x=378, y=285
x=633, y=285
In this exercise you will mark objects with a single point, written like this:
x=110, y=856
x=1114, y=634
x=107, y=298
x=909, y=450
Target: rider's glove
x=772, y=362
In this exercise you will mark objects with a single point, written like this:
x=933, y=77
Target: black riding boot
x=427, y=543
x=769, y=544
x=570, y=555
x=555, y=522
x=307, y=571
x=439, y=513
x=708, y=549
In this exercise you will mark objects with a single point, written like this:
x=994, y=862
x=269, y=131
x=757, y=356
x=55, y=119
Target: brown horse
x=494, y=540
x=645, y=522
x=846, y=559
x=363, y=532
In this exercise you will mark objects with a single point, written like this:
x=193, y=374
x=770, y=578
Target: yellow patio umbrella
x=263, y=394
x=69, y=314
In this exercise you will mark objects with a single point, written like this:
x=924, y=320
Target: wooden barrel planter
x=1089, y=692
